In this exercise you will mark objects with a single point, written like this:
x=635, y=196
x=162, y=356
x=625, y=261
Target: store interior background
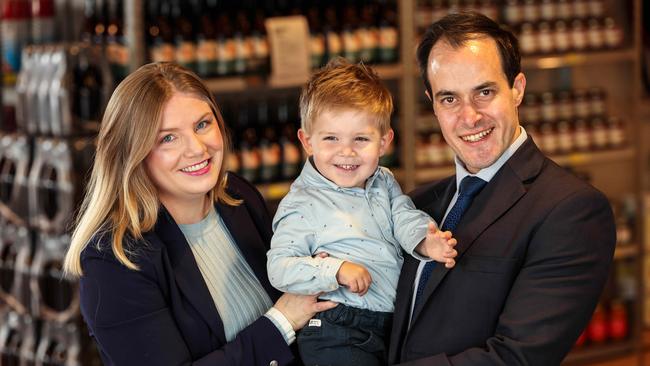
x=587, y=106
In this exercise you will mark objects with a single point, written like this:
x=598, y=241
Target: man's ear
x=385, y=141
x=305, y=140
x=426, y=92
x=518, y=88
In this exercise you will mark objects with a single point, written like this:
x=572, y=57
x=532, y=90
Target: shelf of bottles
x=542, y=26
x=46, y=150
x=226, y=42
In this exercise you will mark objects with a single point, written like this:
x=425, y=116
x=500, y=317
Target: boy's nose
x=348, y=151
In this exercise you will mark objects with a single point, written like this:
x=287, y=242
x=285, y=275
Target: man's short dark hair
x=458, y=28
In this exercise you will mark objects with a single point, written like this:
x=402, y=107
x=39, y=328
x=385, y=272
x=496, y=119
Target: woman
x=170, y=250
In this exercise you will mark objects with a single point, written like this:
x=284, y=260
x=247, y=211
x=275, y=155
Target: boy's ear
x=385, y=141
x=305, y=140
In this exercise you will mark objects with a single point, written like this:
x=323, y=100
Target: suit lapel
x=501, y=193
x=188, y=276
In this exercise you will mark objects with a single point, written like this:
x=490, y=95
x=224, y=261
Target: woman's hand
x=298, y=309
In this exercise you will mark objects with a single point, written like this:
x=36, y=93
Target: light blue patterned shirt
x=369, y=227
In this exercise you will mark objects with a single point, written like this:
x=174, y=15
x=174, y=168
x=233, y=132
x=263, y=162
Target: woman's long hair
x=120, y=199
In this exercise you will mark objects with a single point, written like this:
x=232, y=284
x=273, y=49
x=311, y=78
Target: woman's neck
x=186, y=211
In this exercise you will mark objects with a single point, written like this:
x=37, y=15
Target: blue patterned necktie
x=469, y=187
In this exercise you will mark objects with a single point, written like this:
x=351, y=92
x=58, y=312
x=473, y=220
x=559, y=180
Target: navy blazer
x=164, y=314
x=534, y=251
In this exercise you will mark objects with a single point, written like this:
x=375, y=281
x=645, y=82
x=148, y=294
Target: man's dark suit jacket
x=534, y=251
x=164, y=314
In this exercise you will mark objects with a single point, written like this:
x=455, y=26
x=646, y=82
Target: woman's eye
x=201, y=125
x=167, y=139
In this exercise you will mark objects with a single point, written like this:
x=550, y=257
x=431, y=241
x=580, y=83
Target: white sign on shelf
x=290, y=57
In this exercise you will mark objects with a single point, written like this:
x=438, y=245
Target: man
x=534, y=242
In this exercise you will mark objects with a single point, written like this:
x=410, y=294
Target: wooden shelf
x=274, y=191
x=427, y=174
x=644, y=109
x=593, y=353
x=624, y=251
x=577, y=59
x=238, y=84
x=597, y=157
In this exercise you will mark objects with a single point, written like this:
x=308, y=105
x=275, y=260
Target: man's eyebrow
x=443, y=93
x=487, y=84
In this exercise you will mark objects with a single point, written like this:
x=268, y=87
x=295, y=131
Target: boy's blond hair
x=342, y=85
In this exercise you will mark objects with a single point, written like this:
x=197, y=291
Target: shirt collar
x=487, y=173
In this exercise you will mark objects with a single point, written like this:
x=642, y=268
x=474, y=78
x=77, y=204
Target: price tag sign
x=290, y=56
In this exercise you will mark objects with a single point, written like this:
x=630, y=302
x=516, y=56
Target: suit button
x=273, y=363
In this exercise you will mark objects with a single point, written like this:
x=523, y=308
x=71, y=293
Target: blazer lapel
x=501, y=193
x=188, y=276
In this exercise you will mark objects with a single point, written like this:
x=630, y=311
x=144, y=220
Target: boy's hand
x=439, y=246
x=355, y=277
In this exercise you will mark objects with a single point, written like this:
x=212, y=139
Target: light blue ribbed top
x=238, y=295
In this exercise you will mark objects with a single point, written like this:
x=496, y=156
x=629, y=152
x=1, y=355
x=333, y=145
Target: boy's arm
x=410, y=225
x=291, y=265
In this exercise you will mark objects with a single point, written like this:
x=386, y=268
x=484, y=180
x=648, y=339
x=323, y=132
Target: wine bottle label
x=163, y=52
x=351, y=46
x=317, y=46
x=334, y=45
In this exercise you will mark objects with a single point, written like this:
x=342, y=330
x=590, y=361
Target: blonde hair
x=342, y=85
x=120, y=199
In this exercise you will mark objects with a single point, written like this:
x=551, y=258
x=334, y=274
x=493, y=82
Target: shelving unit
x=575, y=59
x=241, y=84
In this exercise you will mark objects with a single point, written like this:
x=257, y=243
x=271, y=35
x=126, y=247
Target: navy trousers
x=345, y=336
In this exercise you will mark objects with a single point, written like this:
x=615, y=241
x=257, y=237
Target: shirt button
x=273, y=363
